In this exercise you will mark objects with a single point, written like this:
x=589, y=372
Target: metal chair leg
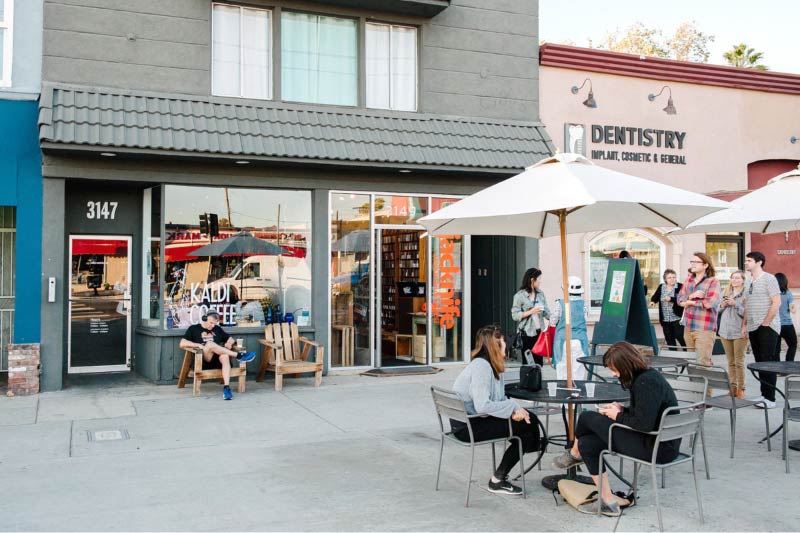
x=469, y=479
x=766, y=424
x=705, y=456
x=733, y=430
x=522, y=468
x=697, y=491
x=494, y=460
x=655, y=495
x=635, y=480
x=785, y=437
x=439, y=468
x=663, y=478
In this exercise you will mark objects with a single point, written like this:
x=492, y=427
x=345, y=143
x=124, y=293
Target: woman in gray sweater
x=480, y=385
x=529, y=309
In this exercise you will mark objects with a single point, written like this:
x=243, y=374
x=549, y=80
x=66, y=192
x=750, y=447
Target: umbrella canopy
x=595, y=198
x=242, y=243
x=539, y=202
x=353, y=242
x=773, y=208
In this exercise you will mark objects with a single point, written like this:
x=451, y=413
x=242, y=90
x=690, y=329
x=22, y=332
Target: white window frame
x=662, y=261
x=391, y=27
x=7, y=24
x=270, y=51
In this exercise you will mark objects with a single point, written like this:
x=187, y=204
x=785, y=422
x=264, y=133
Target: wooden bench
x=193, y=367
x=282, y=354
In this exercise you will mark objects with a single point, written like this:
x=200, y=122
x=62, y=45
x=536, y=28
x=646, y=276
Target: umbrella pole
x=562, y=223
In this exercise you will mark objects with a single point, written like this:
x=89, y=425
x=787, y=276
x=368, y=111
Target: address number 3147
x=104, y=210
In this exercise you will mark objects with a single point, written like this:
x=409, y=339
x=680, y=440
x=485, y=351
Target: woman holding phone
x=731, y=314
x=651, y=395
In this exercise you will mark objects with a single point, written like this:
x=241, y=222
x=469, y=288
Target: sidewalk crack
x=312, y=412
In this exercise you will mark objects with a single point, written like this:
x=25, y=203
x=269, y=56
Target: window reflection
x=647, y=251
x=248, y=288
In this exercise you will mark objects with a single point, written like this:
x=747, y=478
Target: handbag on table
x=530, y=378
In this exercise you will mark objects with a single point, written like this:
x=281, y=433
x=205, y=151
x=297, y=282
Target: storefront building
x=20, y=175
x=716, y=130
x=323, y=128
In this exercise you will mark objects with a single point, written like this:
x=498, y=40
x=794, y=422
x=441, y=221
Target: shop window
x=319, y=59
x=400, y=209
x=646, y=249
x=6, y=41
x=727, y=253
x=151, y=275
x=391, y=58
x=242, y=52
x=246, y=289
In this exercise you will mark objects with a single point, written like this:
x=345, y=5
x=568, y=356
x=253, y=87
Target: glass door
x=99, y=326
x=400, y=290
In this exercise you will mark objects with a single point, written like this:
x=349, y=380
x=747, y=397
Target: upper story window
x=391, y=67
x=319, y=59
x=6, y=41
x=242, y=52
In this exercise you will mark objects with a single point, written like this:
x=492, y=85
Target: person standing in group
x=482, y=389
x=761, y=321
x=731, y=316
x=669, y=312
x=787, y=325
x=579, y=315
x=529, y=309
x=699, y=298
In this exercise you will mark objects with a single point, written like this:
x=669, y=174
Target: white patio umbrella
x=568, y=188
x=773, y=208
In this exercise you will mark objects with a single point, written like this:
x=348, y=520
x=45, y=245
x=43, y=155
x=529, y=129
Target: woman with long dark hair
x=530, y=310
x=480, y=385
x=787, y=325
x=651, y=395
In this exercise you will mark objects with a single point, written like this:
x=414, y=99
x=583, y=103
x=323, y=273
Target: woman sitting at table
x=480, y=385
x=651, y=395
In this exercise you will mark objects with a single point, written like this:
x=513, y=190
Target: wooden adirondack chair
x=192, y=367
x=282, y=354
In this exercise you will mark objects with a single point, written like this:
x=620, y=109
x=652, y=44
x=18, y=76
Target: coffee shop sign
x=630, y=144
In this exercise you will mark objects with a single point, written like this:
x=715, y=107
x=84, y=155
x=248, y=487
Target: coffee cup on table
x=551, y=388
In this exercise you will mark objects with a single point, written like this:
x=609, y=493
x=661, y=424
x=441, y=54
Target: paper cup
x=240, y=343
x=589, y=389
x=551, y=388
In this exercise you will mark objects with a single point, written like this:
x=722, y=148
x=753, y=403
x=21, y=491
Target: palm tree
x=742, y=56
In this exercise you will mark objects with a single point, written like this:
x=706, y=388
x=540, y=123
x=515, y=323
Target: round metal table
x=780, y=368
x=604, y=392
x=656, y=361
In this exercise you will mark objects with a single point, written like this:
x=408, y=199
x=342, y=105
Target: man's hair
x=758, y=256
x=211, y=313
x=710, y=272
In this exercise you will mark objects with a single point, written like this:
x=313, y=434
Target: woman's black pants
x=790, y=336
x=491, y=427
x=592, y=435
x=527, y=344
x=673, y=333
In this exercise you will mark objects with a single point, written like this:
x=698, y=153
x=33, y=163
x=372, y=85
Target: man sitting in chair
x=214, y=342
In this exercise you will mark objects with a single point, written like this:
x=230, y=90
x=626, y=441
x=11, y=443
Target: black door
x=493, y=281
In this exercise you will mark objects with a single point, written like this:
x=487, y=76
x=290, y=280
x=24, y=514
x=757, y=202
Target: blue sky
x=769, y=26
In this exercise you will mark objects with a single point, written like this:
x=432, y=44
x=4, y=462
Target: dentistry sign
x=626, y=143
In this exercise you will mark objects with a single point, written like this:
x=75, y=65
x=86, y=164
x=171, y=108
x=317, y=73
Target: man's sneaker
x=245, y=357
x=566, y=460
x=757, y=399
x=226, y=393
x=504, y=487
x=607, y=509
x=769, y=403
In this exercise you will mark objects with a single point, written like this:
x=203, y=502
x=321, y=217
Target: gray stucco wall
x=478, y=58
x=26, y=69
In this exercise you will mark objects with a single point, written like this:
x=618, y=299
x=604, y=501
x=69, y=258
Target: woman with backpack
x=529, y=309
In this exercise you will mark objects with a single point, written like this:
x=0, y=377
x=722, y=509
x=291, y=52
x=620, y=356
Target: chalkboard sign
x=624, y=315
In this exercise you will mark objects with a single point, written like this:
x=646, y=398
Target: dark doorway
x=493, y=281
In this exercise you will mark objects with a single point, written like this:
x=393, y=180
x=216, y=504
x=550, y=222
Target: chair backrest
x=688, y=388
x=716, y=375
x=284, y=334
x=681, y=421
x=792, y=387
x=449, y=405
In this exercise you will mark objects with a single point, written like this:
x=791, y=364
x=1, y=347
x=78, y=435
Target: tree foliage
x=686, y=44
x=742, y=56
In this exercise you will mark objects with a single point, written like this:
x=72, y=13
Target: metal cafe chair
x=718, y=379
x=676, y=423
x=449, y=405
x=792, y=386
x=690, y=390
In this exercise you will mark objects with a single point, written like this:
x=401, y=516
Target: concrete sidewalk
x=357, y=454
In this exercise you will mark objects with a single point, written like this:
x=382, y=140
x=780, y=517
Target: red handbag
x=544, y=344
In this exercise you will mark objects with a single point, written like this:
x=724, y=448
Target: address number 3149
x=104, y=210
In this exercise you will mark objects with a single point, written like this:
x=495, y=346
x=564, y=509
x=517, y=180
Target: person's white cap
x=575, y=285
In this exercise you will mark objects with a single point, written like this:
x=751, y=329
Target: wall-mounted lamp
x=670, y=109
x=590, y=101
x=793, y=139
